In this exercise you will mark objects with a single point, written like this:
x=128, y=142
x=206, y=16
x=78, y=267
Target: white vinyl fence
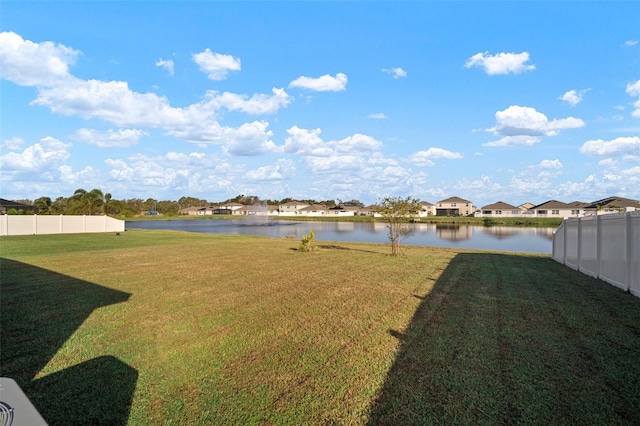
x=605, y=247
x=62, y=224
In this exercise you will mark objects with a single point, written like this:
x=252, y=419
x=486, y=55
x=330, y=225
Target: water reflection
x=503, y=238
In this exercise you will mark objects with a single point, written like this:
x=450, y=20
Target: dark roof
x=578, y=204
x=500, y=205
x=551, y=204
x=8, y=205
x=614, y=203
x=12, y=204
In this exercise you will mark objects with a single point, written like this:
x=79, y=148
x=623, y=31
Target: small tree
x=397, y=211
x=306, y=244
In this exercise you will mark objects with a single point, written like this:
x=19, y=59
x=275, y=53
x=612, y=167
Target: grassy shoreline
x=164, y=327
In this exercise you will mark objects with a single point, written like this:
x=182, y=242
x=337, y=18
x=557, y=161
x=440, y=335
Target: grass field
x=158, y=327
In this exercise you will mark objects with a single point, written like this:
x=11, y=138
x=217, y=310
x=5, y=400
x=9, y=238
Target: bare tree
x=397, y=211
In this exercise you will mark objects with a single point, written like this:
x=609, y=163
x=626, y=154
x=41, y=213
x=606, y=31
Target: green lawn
x=157, y=327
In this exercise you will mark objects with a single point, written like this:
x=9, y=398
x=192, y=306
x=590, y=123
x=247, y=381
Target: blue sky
x=511, y=101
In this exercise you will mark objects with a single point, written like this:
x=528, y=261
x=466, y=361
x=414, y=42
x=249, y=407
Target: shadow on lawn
x=505, y=339
x=39, y=311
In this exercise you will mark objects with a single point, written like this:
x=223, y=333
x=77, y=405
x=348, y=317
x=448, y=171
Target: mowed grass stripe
x=204, y=329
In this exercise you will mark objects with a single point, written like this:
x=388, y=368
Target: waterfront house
x=343, y=210
x=291, y=208
x=553, y=209
x=454, y=206
x=499, y=209
x=314, y=210
x=427, y=209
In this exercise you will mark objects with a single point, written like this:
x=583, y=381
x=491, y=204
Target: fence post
x=579, y=248
x=628, y=252
x=564, y=242
x=598, y=244
x=35, y=224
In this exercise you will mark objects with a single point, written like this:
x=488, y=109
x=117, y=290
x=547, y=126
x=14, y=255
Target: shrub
x=307, y=242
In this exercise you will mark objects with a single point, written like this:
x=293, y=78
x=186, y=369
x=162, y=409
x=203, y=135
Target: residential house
x=499, y=209
x=6, y=205
x=314, y=210
x=230, y=208
x=291, y=208
x=578, y=208
x=454, y=206
x=371, y=210
x=191, y=211
x=554, y=208
x=343, y=210
x=612, y=204
x=427, y=209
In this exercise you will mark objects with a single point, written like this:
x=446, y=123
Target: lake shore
x=463, y=220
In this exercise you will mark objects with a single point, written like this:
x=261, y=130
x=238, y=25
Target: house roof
x=12, y=204
x=500, y=205
x=455, y=200
x=8, y=205
x=551, y=204
x=578, y=204
x=526, y=206
x=294, y=203
x=615, y=203
x=426, y=203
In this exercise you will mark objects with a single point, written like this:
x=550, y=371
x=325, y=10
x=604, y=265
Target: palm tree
x=109, y=205
x=44, y=205
x=89, y=200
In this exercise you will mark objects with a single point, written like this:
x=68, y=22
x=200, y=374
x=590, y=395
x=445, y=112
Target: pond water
x=503, y=238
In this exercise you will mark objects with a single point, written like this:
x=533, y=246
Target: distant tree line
x=97, y=202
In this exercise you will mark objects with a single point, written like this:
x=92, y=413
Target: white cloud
x=12, y=144
x=524, y=126
x=85, y=176
x=166, y=64
x=424, y=158
x=306, y=142
x=514, y=141
x=502, y=63
x=247, y=140
x=336, y=163
x=283, y=169
x=110, y=138
x=325, y=83
x=112, y=101
x=116, y=103
x=617, y=146
x=257, y=104
x=573, y=97
x=357, y=143
x=216, y=65
x=378, y=116
x=44, y=155
x=396, y=72
x=34, y=64
x=630, y=43
x=551, y=164
x=633, y=89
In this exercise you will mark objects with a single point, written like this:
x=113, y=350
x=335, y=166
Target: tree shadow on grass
x=39, y=311
x=506, y=339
